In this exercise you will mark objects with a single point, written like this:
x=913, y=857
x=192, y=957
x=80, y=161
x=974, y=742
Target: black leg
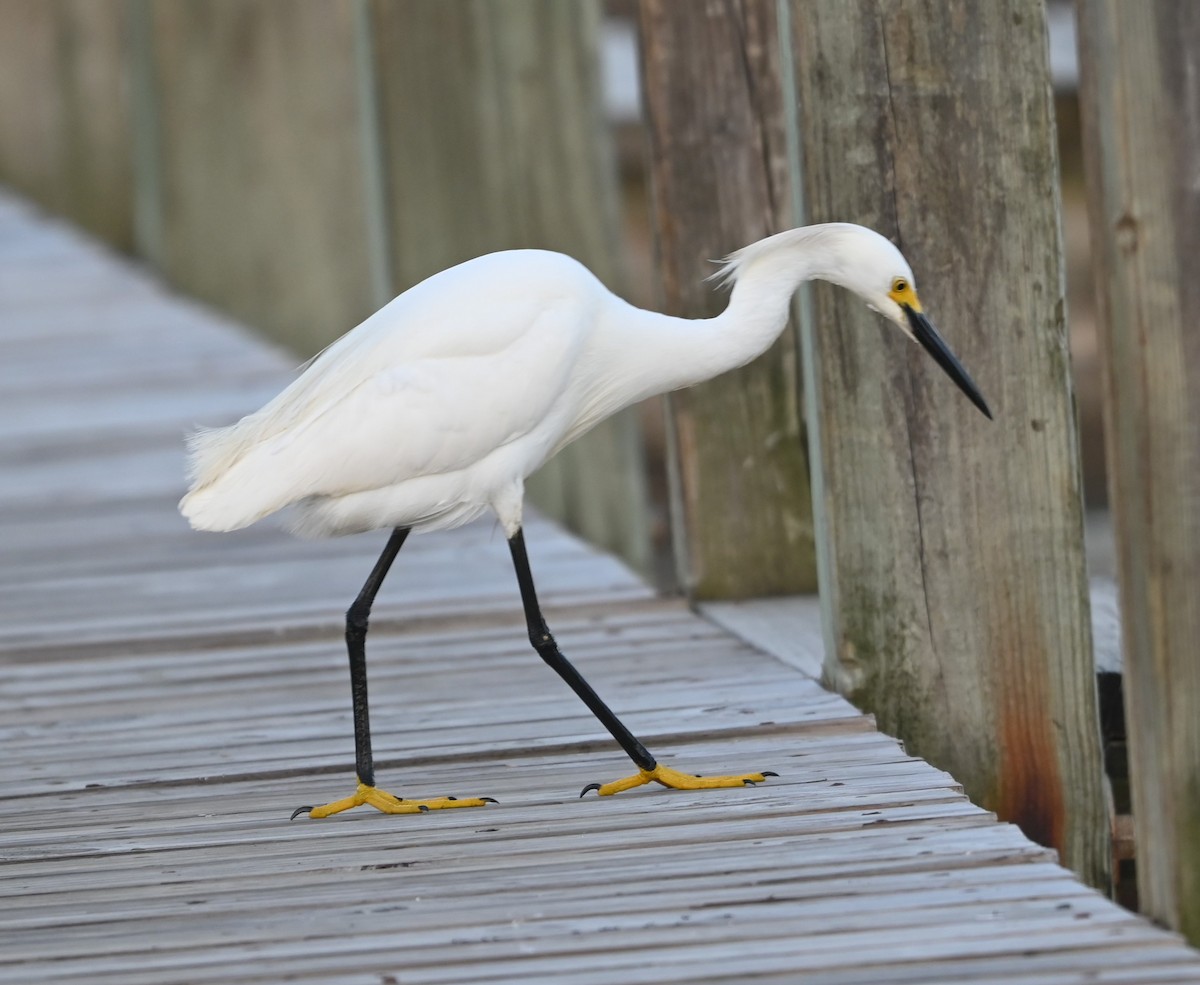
x=543, y=642
x=356, y=645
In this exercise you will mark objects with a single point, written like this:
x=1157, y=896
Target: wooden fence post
x=263, y=205
x=145, y=136
x=1141, y=114
x=378, y=224
x=954, y=567
x=511, y=150
x=720, y=179
x=64, y=110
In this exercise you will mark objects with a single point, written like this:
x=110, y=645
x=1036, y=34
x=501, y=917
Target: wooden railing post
x=1141, y=116
x=64, y=110
x=263, y=208
x=720, y=179
x=954, y=571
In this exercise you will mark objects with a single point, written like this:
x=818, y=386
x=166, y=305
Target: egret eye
x=899, y=285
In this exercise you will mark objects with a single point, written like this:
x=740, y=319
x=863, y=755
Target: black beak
x=924, y=332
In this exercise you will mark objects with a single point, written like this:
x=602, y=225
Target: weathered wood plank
x=707, y=939
x=177, y=696
x=867, y=892
x=639, y=929
x=954, y=546
x=1142, y=131
x=719, y=176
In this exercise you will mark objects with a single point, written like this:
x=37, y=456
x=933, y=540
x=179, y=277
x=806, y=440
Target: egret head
x=860, y=260
x=872, y=267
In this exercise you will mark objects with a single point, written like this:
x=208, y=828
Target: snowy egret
x=437, y=407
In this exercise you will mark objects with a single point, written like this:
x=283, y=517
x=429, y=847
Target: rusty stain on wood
x=1029, y=789
x=955, y=545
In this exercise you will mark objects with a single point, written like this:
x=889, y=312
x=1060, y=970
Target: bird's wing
x=427, y=416
x=366, y=418
x=481, y=308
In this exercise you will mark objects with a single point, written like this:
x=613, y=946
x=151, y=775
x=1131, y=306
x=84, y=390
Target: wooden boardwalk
x=167, y=698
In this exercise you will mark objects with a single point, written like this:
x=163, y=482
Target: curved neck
x=663, y=352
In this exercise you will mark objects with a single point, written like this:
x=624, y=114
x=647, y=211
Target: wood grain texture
x=1142, y=131
x=508, y=151
x=179, y=694
x=955, y=569
x=720, y=179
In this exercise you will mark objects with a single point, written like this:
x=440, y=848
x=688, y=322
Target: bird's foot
x=676, y=781
x=381, y=800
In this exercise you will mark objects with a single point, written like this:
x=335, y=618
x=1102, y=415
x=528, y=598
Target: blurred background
x=297, y=164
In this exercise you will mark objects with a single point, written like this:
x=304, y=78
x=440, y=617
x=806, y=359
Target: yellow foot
x=381, y=800
x=676, y=781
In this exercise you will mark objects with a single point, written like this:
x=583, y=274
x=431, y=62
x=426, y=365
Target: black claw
x=300, y=810
x=452, y=798
x=423, y=808
x=769, y=773
x=589, y=788
x=750, y=783
x=490, y=800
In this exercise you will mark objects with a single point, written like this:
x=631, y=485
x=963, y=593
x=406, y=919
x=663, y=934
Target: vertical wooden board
x=719, y=170
x=30, y=99
x=553, y=180
x=507, y=151
x=96, y=162
x=64, y=110
x=262, y=178
x=440, y=209
x=1139, y=64
x=953, y=546
x=510, y=150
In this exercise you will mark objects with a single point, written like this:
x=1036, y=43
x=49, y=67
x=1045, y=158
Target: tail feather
x=213, y=451
x=217, y=500
x=206, y=509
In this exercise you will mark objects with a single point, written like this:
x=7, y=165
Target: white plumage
x=437, y=407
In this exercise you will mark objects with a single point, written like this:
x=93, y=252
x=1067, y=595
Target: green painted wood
x=720, y=178
x=262, y=188
x=510, y=150
x=65, y=111
x=953, y=546
x=1142, y=140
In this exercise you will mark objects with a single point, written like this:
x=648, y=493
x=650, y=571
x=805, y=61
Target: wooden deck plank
x=166, y=699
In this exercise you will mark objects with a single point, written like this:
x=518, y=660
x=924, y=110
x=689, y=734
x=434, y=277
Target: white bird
x=436, y=408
